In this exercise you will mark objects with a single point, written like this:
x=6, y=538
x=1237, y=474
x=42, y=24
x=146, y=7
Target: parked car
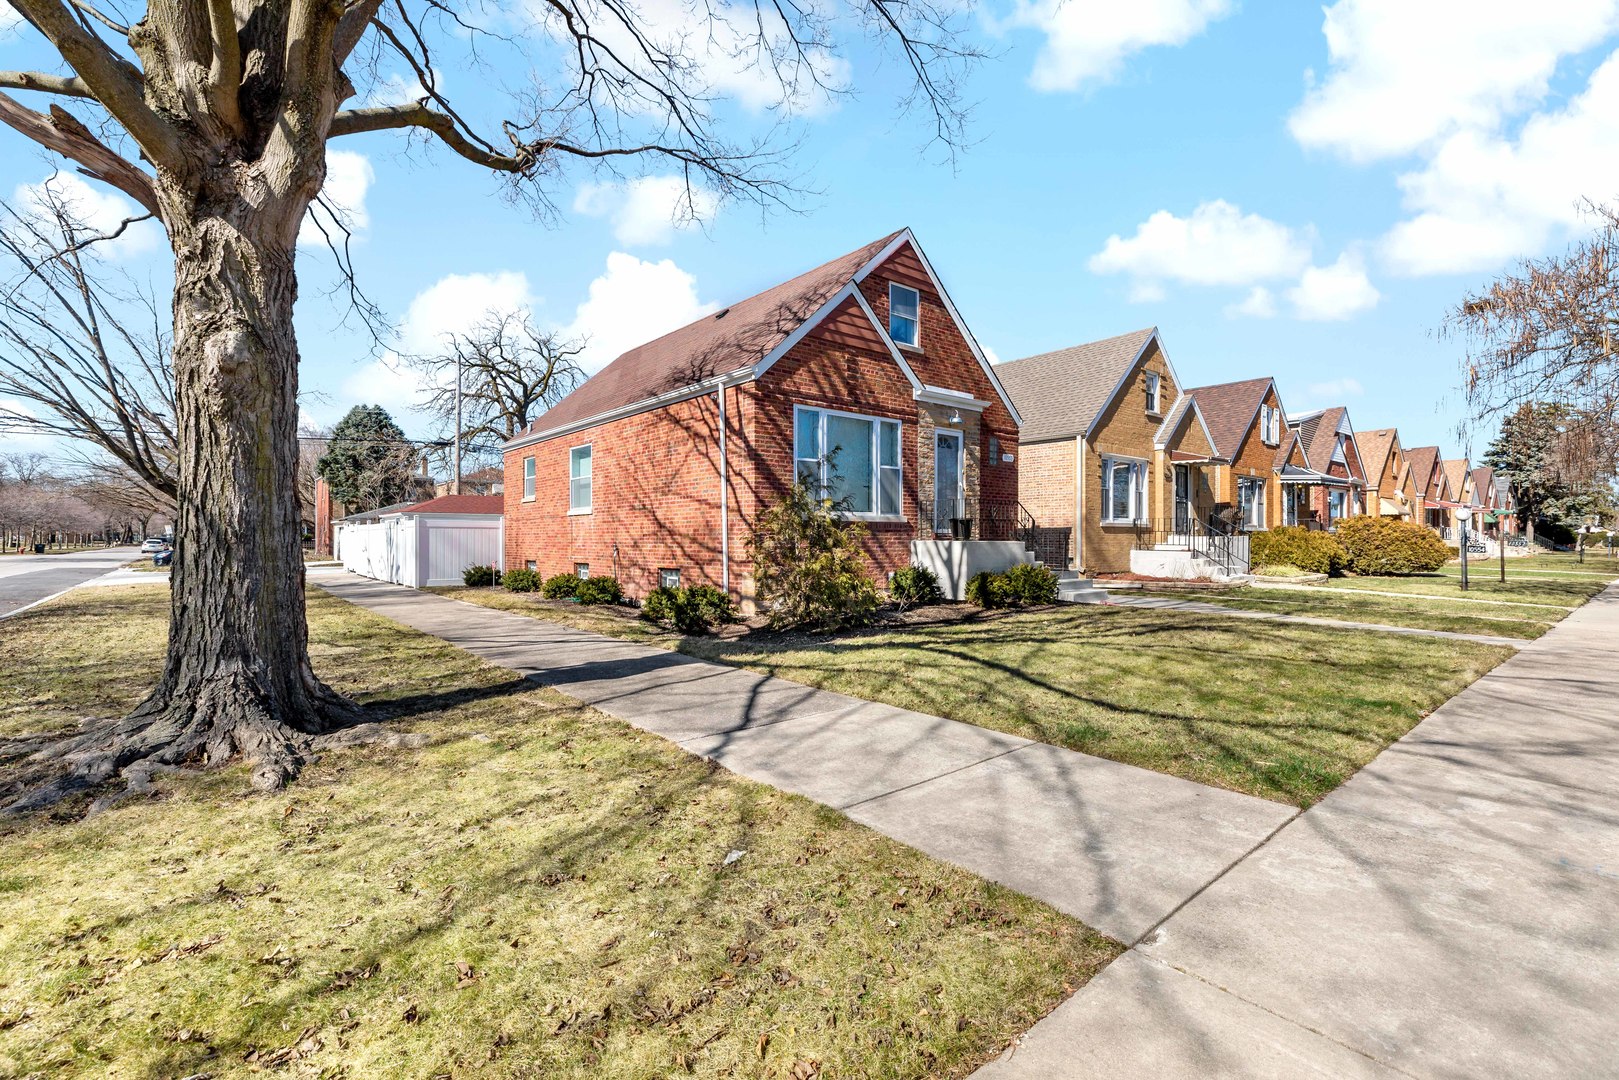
x=153, y=544
x=163, y=558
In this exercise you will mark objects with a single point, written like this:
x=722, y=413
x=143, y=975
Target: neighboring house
x=1251, y=438
x=1494, y=499
x=423, y=544
x=1506, y=506
x=1110, y=447
x=1463, y=493
x=1390, y=490
x=489, y=480
x=1338, y=488
x=1433, y=491
x=858, y=376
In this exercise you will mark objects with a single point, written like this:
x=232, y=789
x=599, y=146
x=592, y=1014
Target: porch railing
x=1008, y=519
x=1226, y=547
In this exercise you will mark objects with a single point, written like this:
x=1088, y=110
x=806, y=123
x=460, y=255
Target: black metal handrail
x=1009, y=519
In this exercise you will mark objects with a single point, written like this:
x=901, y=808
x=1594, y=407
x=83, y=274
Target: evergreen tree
x=1525, y=454
x=368, y=461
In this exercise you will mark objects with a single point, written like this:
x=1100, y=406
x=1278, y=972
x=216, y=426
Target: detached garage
x=427, y=543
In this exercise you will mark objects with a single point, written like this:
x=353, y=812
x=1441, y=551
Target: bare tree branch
x=63, y=133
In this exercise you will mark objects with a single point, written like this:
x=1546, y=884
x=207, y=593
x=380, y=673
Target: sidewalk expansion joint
x=846, y=807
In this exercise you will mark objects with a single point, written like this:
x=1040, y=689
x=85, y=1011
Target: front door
x=1183, y=499
x=947, y=494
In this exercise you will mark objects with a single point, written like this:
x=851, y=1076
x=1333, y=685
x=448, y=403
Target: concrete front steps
x=1073, y=589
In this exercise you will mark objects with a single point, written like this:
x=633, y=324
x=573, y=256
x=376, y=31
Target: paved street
x=27, y=579
x=1449, y=912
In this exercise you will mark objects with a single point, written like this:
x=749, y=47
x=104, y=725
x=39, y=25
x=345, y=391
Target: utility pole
x=455, y=454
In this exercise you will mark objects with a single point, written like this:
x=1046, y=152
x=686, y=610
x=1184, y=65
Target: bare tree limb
x=65, y=85
x=63, y=133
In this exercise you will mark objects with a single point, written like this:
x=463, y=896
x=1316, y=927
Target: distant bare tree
x=1547, y=334
x=71, y=348
x=511, y=371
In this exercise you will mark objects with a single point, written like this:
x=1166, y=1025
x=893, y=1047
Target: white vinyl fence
x=420, y=549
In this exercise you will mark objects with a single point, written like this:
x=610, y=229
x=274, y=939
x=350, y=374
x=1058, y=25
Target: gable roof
x=1422, y=460
x=1456, y=475
x=729, y=340
x=1230, y=409
x=1484, y=483
x=1376, y=446
x=1061, y=393
x=739, y=343
x=1318, y=432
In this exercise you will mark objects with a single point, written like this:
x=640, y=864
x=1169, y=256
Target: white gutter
x=725, y=503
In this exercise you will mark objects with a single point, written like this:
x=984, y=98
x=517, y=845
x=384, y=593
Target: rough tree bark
x=230, y=104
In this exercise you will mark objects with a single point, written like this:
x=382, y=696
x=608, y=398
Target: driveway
x=28, y=579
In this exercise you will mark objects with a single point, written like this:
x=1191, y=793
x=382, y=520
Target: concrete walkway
x=1409, y=595
x=1115, y=846
x=1452, y=911
x=1165, y=603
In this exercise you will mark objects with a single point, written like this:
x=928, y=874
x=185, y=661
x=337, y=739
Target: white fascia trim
x=906, y=237
x=938, y=395
x=801, y=331
x=853, y=289
x=685, y=393
x=1160, y=438
x=1123, y=379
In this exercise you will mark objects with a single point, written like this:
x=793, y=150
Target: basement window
x=581, y=570
x=669, y=579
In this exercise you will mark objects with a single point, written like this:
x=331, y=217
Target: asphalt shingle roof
x=1375, y=448
x=731, y=339
x=1229, y=409
x=1422, y=459
x=1059, y=394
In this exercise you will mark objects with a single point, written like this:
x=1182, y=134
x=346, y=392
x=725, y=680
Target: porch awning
x=1181, y=457
x=1390, y=507
x=1292, y=474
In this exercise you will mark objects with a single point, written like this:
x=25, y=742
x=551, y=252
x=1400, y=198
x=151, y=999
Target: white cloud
x=348, y=177
x=456, y=303
x=1483, y=199
x=1087, y=41
x=396, y=89
x=631, y=303
x=1331, y=293
x=1260, y=303
x=990, y=354
x=92, y=207
x=1406, y=73
x=1217, y=244
x=647, y=210
x=1334, y=390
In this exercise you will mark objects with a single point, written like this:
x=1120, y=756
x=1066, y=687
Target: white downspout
x=725, y=522
x=1079, y=502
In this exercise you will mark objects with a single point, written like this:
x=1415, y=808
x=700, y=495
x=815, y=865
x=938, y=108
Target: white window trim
x=915, y=346
x=1156, y=383
x=1141, y=494
x=577, y=511
x=876, y=460
x=1269, y=425
x=530, y=479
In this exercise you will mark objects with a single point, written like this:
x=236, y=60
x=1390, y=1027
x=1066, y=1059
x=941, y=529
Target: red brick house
x=1332, y=483
x=859, y=375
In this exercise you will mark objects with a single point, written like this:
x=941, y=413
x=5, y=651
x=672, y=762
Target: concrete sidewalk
x=1450, y=911
x=1115, y=846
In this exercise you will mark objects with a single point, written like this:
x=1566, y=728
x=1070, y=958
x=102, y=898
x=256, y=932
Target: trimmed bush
x=914, y=586
x=561, y=587
x=478, y=576
x=1293, y=545
x=1027, y=583
x=599, y=589
x=809, y=567
x=521, y=580
x=987, y=590
x=696, y=609
x=1376, y=545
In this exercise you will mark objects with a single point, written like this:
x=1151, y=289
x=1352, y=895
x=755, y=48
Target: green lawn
x=1566, y=591
x=541, y=891
x=1282, y=711
x=1424, y=614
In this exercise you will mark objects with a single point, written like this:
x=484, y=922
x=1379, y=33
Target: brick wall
x=656, y=485
x=1126, y=429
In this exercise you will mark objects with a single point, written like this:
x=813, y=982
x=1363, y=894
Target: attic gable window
x=904, y=315
x=1153, y=394
x=1270, y=425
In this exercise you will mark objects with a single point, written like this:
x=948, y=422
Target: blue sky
x=1283, y=190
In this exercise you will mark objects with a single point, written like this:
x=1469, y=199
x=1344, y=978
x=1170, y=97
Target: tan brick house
x=1390, y=490
x=1110, y=447
x=1433, y=494
x=1251, y=435
x=859, y=376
